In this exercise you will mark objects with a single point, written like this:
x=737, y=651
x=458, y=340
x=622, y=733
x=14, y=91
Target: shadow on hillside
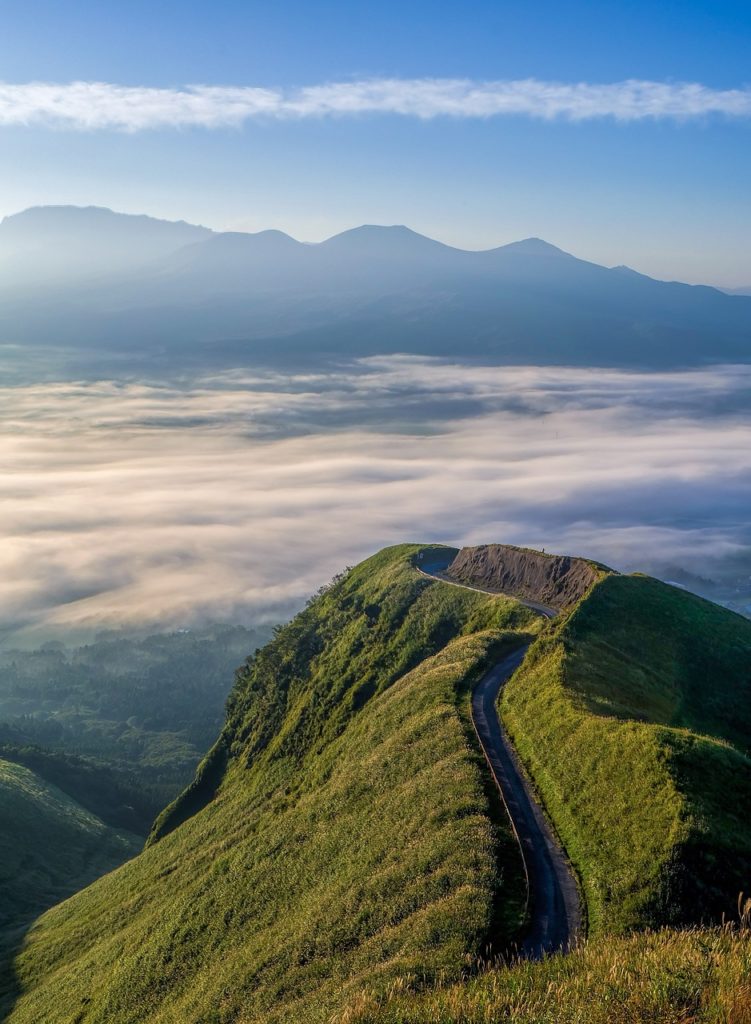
x=15, y=929
x=11, y=944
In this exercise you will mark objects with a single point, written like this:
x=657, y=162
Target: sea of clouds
x=234, y=497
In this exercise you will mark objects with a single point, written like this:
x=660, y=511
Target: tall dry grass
x=691, y=976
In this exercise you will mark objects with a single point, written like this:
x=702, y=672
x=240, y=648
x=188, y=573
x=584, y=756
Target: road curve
x=555, y=914
x=555, y=911
x=438, y=574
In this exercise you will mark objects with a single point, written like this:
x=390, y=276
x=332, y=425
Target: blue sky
x=669, y=195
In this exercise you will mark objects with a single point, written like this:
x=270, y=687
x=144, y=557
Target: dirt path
x=555, y=908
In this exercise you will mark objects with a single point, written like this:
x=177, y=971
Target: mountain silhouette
x=96, y=278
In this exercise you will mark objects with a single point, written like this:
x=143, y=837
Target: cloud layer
x=236, y=497
x=102, y=105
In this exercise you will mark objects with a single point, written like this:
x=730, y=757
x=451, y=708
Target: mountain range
x=107, y=282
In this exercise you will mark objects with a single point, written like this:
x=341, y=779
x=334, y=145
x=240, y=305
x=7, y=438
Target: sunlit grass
x=626, y=716
x=694, y=976
x=339, y=856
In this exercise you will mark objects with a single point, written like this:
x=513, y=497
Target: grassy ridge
x=339, y=835
x=645, y=650
x=336, y=856
x=606, y=713
x=49, y=845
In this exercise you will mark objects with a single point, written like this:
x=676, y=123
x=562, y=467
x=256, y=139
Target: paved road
x=438, y=574
x=555, y=910
x=555, y=916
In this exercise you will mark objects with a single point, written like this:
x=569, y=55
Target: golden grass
x=691, y=976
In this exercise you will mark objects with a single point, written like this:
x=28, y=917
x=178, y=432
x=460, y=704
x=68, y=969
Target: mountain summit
x=534, y=247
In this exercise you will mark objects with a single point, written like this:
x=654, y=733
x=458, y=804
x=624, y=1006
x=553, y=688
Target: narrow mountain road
x=555, y=909
x=555, y=915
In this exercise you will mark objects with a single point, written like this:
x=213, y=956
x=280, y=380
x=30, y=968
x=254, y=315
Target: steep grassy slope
x=337, y=836
x=49, y=845
x=634, y=719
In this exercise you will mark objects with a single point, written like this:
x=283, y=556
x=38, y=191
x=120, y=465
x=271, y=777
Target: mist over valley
x=231, y=497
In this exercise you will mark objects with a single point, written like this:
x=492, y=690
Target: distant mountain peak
x=534, y=247
x=269, y=236
x=59, y=215
x=224, y=247
x=63, y=243
x=623, y=268
x=364, y=230
x=383, y=237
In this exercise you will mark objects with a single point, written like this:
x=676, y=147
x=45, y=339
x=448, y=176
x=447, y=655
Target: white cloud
x=115, y=510
x=101, y=105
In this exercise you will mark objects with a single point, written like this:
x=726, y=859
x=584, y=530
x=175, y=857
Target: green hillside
x=634, y=718
x=349, y=841
x=341, y=847
x=49, y=845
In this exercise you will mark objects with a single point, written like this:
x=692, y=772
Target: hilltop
x=633, y=716
x=341, y=840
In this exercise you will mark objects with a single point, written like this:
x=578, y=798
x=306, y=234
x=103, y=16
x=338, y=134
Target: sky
x=476, y=123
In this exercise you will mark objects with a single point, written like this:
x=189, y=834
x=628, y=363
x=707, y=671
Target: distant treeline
x=120, y=724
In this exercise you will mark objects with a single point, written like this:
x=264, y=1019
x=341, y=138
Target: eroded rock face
x=557, y=581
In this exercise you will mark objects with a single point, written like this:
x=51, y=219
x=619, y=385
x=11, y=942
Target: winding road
x=554, y=904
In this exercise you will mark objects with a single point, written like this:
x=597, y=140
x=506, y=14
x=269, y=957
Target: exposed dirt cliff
x=555, y=580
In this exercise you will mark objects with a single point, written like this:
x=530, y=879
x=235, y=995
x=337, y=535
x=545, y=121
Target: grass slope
x=49, y=845
x=337, y=836
x=634, y=720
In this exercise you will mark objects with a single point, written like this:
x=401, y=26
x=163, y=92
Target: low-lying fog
x=234, y=497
